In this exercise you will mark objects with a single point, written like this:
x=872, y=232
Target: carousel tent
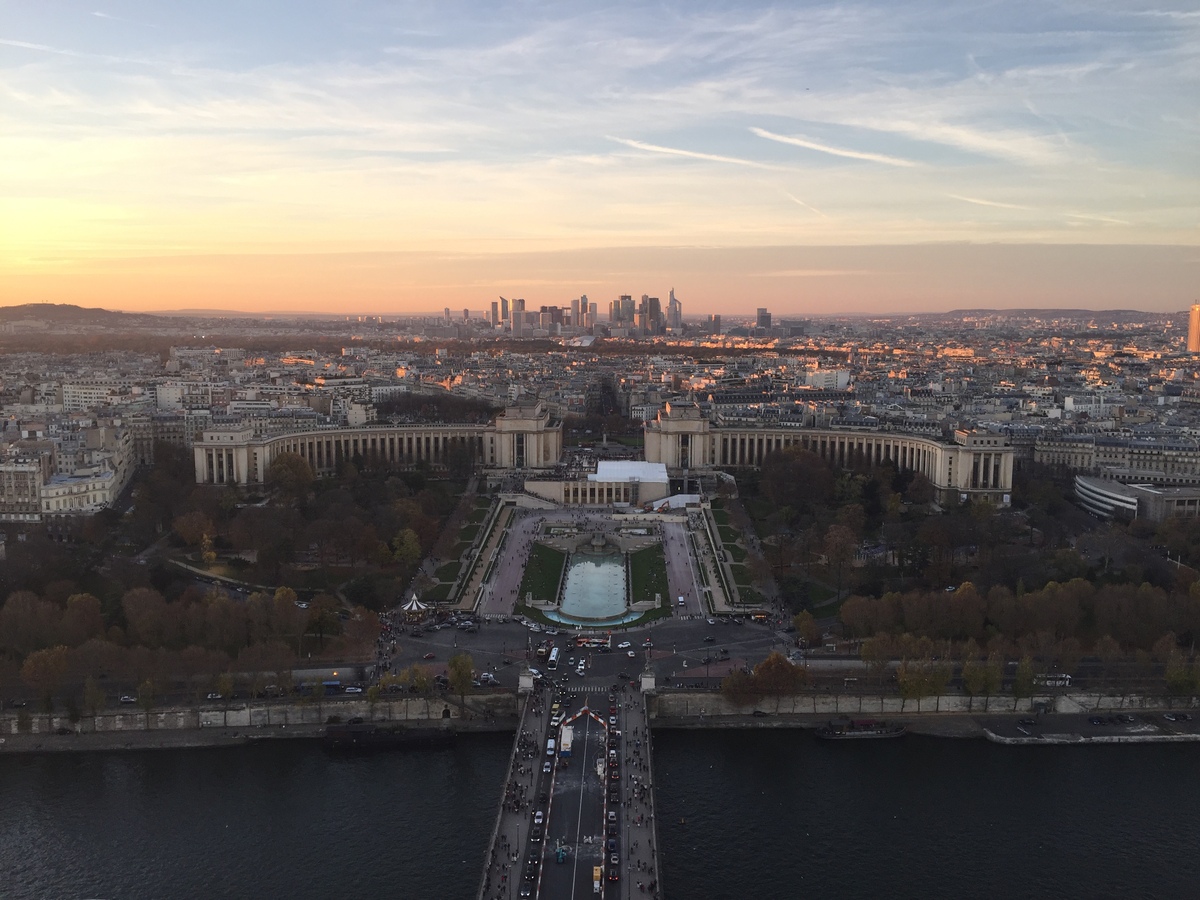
x=414, y=606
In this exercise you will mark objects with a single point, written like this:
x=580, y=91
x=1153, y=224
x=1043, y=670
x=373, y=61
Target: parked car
x=128, y=700
x=353, y=689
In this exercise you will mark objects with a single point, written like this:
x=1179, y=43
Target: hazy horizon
x=869, y=157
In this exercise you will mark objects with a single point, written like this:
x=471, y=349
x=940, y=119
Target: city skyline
x=864, y=158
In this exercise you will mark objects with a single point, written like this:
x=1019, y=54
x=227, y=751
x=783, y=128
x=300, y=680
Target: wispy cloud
x=104, y=15
x=1010, y=144
x=833, y=151
x=59, y=51
x=979, y=202
x=813, y=273
x=693, y=154
x=807, y=206
x=1093, y=218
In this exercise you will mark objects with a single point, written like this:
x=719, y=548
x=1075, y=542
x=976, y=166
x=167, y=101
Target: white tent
x=414, y=605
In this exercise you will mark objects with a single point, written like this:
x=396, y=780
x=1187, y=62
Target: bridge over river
x=577, y=816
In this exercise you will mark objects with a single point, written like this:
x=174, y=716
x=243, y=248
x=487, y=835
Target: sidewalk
x=639, y=840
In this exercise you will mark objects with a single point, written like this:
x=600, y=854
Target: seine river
x=742, y=815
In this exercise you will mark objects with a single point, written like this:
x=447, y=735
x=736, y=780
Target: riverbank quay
x=203, y=738
x=1065, y=719
x=670, y=704
x=1062, y=719
x=1171, y=727
x=214, y=726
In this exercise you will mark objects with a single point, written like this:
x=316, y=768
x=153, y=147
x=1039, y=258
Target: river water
x=743, y=814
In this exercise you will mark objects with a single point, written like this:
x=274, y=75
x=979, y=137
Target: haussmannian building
x=1162, y=461
x=524, y=437
x=976, y=465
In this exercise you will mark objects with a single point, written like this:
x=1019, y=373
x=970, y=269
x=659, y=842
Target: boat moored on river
x=859, y=729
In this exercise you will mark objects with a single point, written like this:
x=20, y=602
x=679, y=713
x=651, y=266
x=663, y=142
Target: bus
x=567, y=739
x=1057, y=679
x=552, y=662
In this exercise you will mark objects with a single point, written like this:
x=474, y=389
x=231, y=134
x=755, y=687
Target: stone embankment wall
x=419, y=711
x=668, y=705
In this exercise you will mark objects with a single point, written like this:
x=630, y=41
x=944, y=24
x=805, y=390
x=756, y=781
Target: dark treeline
x=56, y=645
x=1056, y=620
x=436, y=408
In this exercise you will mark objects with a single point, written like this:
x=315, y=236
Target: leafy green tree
x=876, y=652
x=323, y=618
x=420, y=679
x=739, y=688
x=44, y=672
x=775, y=676
x=938, y=678
x=373, y=695
x=460, y=671
x=192, y=527
x=993, y=678
x=806, y=627
x=974, y=676
x=408, y=547
x=1023, y=679
x=291, y=475
x=839, y=550
x=1179, y=676
x=912, y=681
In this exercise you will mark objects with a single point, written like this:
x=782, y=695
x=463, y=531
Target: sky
x=391, y=157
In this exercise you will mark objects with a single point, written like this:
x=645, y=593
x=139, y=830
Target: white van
x=681, y=601
x=550, y=747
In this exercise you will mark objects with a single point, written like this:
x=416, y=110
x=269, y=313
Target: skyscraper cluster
x=647, y=316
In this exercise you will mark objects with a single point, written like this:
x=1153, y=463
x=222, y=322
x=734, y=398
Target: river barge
x=860, y=730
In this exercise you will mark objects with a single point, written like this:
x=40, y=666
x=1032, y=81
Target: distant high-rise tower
x=1194, y=329
x=518, y=315
x=503, y=310
x=674, y=312
x=495, y=313
x=763, y=320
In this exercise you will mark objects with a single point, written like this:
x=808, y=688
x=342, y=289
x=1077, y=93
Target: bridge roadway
x=596, y=805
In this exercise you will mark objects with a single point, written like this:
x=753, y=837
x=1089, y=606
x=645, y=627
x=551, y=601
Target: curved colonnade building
x=522, y=437
x=975, y=465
